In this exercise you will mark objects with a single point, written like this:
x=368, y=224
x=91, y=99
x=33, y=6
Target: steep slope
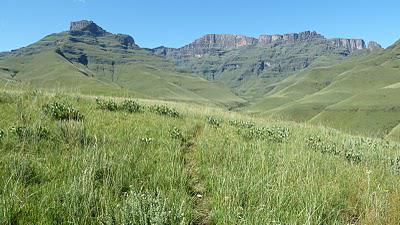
x=251, y=67
x=91, y=60
x=358, y=95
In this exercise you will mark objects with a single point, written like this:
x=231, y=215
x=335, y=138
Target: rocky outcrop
x=372, y=45
x=125, y=40
x=350, y=44
x=224, y=41
x=87, y=27
x=288, y=38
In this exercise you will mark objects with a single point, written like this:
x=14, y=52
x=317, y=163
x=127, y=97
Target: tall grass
x=142, y=164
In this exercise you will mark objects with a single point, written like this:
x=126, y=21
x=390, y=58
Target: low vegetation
x=77, y=160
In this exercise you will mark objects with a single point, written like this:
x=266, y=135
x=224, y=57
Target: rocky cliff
x=215, y=41
x=372, y=45
x=350, y=44
x=85, y=27
x=288, y=38
x=88, y=27
x=211, y=43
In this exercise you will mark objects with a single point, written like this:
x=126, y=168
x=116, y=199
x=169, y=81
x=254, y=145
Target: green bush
x=109, y=105
x=242, y=124
x=274, y=134
x=395, y=164
x=62, y=111
x=2, y=134
x=214, y=121
x=176, y=134
x=165, y=111
x=316, y=143
x=30, y=133
x=131, y=106
x=145, y=208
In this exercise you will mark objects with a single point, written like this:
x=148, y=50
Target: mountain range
x=341, y=82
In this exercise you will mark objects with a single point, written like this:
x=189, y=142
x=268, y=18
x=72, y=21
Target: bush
x=273, y=134
x=2, y=134
x=22, y=132
x=316, y=143
x=177, y=134
x=109, y=105
x=395, y=165
x=131, y=106
x=147, y=140
x=352, y=149
x=214, y=121
x=165, y=111
x=62, y=111
x=30, y=133
x=242, y=124
x=145, y=208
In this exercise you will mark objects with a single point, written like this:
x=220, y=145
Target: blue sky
x=175, y=23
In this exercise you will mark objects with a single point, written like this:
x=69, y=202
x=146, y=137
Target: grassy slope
x=358, y=95
x=137, y=73
x=146, y=168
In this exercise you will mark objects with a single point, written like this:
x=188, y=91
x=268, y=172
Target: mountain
x=89, y=59
x=360, y=94
x=252, y=66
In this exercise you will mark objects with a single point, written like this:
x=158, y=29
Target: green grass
x=358, y=95
x=112, y=70
x=121, y=166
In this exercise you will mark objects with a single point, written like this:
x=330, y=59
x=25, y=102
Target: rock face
x=372, y=45
x=125, y=40
x=288, y=38
x=85, y=26
x=217, y=41
x=212, y=43
x=350, y=44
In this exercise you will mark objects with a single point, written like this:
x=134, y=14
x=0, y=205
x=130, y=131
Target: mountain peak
x=86, y=26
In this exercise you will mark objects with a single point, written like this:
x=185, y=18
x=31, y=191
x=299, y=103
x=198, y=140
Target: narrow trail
x=195, y=186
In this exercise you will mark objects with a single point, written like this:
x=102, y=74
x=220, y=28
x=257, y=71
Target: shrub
x=242, y=124
x=2, y=134
x=316, y=143
x=145, y=208
x=25, y=132
x=395, y=165
x=214, y=121
x=165, y=111
x=352, y=149
x=177, y=134
x=62, y=111
x=273, y=134
x=147, y=140
x=131, y=106
x=109, y=105
x=22, y=132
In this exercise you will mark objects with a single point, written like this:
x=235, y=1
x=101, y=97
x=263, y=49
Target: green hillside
x=68, y=158
x=358, y=95
x=104, y=64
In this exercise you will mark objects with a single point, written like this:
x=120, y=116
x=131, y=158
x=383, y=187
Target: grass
x=52, y=64
x=358, y=95
x=205, y=166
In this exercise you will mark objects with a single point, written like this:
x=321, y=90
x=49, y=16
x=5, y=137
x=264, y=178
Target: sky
x=174, y=23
